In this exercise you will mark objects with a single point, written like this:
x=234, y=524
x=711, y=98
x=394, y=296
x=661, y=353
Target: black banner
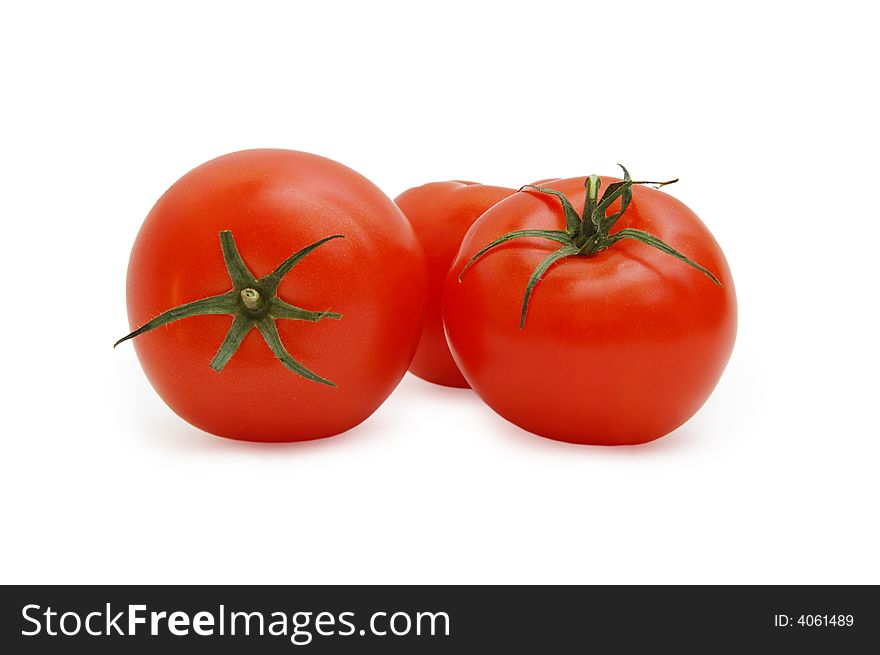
x=446, y=619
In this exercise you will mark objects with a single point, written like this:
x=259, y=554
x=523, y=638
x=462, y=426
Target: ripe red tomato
x=441, y=213
x=324, y=326
x=618, y=342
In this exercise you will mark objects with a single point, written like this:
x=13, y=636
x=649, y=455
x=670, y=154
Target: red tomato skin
x=276, y=202
x=441, y=213
x=619, y=348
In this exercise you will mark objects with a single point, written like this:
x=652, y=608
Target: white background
x=766, y=111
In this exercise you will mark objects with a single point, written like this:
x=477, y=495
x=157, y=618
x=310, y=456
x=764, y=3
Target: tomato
x=321, y=280
x=618, y=338
x=441, y=213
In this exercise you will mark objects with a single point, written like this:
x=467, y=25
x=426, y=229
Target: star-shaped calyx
x=254, y=303
x=589, y=233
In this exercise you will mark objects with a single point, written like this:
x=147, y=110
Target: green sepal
x=651, y=240
x=223, y=304
x=241, y=325
x=572, y=220
x=238, y=272
x=538, y=273
x=281, y=309
x=625, y=199
x=622, y=190
x=271, y=281
x=554, y=235
x=269, y=331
